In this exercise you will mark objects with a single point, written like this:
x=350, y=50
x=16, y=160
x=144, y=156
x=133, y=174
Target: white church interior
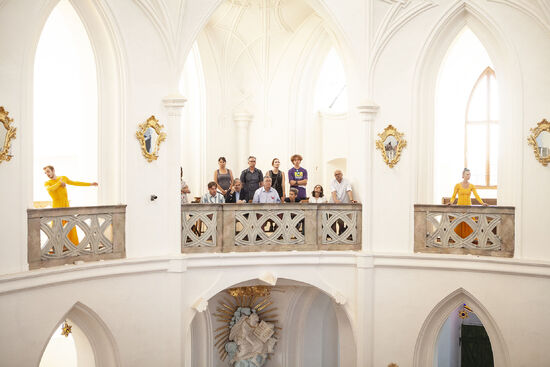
x=425, y=122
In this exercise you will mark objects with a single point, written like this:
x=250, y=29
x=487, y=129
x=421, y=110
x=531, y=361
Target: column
x=365, y=279
x=242, y=120
x=174, y=105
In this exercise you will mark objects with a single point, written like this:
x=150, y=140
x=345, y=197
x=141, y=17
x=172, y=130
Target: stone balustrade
x=270, y=227
x=100, y=232
x=475, y=230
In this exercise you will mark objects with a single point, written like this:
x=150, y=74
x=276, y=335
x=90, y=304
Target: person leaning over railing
x=340, y=189
x=266, y=194
x=212, y=196
x=236, y=193
x=464, y=190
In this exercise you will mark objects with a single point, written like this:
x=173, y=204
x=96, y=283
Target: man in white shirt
x=212, y=196
x=340, y=189
x=266, y=194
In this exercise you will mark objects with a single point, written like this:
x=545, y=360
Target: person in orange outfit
x=464, y=191
x=57, y=188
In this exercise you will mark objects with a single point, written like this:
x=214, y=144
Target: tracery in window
x=481, y=135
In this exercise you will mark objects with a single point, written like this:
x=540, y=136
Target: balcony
x=101, y=235
x=270, y=227
x=475, y=230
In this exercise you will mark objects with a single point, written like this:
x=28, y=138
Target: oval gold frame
x=10, y=135
x=401, y=143
x=532, y=140
x=153, y=123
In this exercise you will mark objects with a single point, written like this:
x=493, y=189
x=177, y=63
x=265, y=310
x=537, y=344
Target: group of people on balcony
x=254, y=187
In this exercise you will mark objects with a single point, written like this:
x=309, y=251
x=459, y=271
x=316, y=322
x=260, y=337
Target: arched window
x=481, y=135
x=65, y=105
x=331, y=90
x=466, y=118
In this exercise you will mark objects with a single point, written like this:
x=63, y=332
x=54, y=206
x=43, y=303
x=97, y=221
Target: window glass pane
x=493, y=99
x=494, y=136
x=478, y=104
x=476, y=152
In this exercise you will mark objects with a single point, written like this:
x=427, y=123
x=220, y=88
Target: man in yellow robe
x=57, y=189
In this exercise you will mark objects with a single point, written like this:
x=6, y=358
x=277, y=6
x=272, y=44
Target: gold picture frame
x=150, y=135
x=391, y=144
x=541, y=149
x=8, y=133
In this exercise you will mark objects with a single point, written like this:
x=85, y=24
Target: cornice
x=223, y=261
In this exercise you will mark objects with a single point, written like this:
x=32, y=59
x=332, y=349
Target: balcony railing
x=475, y=230
x=270, y=227
x=64, y=235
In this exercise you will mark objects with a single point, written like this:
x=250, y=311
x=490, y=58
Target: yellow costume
x=60, y=199
x=464, y=198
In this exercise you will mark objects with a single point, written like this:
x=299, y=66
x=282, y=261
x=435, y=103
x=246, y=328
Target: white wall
x=140, y=49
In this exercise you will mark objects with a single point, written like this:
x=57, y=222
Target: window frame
x=485, y=76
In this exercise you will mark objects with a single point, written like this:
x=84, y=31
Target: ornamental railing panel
x=201, y=227
x=64, y=235
x=472, y=230
x=270, y=227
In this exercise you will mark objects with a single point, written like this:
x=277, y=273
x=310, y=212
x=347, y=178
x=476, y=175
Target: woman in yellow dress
x=57, y=189
x=464, y=190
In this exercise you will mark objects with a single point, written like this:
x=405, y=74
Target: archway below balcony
x=88, y=341
x=312, y=329
x=437, y=327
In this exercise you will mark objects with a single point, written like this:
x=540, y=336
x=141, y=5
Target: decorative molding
x=400, y=13
x=9, y=136
x=539, y=10
x=281, y=260
x=368, y=111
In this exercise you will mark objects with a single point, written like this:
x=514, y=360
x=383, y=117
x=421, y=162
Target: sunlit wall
x=65, y=105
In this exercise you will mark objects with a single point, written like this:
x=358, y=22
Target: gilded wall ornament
x=7, y=134
x=540, y=141
x=249, y=331
x=67, y=329
x=390, y=144
x=150, y=135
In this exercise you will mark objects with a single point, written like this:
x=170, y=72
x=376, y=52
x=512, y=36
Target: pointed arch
x=101, y=339
x=427, y=338
x=461, y=14
x=109, y=57
x=199, y=324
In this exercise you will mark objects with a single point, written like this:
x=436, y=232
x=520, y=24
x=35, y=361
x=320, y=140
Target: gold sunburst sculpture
x=67, y=329
x=257, y=298
x=10, y=135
